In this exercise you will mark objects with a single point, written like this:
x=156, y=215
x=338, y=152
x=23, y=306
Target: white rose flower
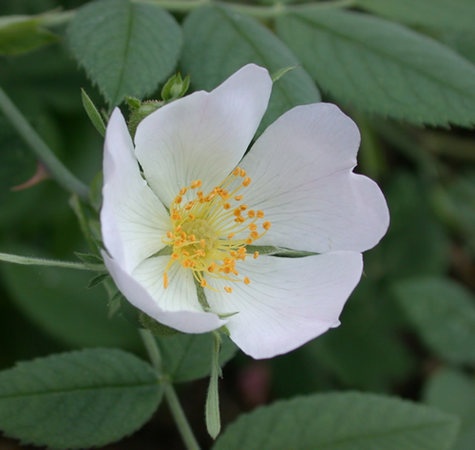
x=184, y=209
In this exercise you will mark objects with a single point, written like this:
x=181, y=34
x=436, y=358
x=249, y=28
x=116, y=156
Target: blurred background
x=408, y=329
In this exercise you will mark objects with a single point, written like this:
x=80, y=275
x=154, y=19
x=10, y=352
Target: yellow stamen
x=209, y=233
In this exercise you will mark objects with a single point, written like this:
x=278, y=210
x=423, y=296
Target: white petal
x=204, y=135
x=302, y=180
x=187, y=320
x=133, y=220
x=181, y=292
x=288, y=302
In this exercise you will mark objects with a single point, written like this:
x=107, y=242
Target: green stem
x=256, y=11
x=152, y=350
x=57, y=170
x=180, y=418
x=172, y=399
x=56, y=18
x=29, y=261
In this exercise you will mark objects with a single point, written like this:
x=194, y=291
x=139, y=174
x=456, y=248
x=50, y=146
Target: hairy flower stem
x=169, y=392
x=54, y=167
x=29, y=261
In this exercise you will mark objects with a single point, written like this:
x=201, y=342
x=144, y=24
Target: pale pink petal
x=301, y=171
x=204, y=135
x=133, y=220
x=288, y=302
x=189, y=319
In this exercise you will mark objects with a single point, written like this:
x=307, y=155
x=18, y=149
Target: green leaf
x=463, y=42
x=456, y=205
x=343, y=421
x=187, y=357
x=78, y=399
x=59, y=302
x=21, y=34
x=453, y=14
x=227, y=41
x=443, y=313
x=351, y=352
x=454, y=392
x=17, y=164
x=126, y=48
x=416, y=244
x=382, y=67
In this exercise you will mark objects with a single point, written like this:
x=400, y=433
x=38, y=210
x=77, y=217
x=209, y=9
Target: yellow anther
x=224, y=194
x=209, y=233
x=255, y=255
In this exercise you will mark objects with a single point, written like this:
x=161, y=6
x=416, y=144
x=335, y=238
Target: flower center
x=210, y=232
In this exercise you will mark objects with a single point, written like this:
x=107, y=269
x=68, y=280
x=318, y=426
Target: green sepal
x=278, y=251
x=22, y=34
x=278, y=74
x=93, y=113
x=88, y=258
x=98, y=279
x=212, y=413
x=157, y=328
x=138, y=110
x=95, y=191
x=175, y=87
